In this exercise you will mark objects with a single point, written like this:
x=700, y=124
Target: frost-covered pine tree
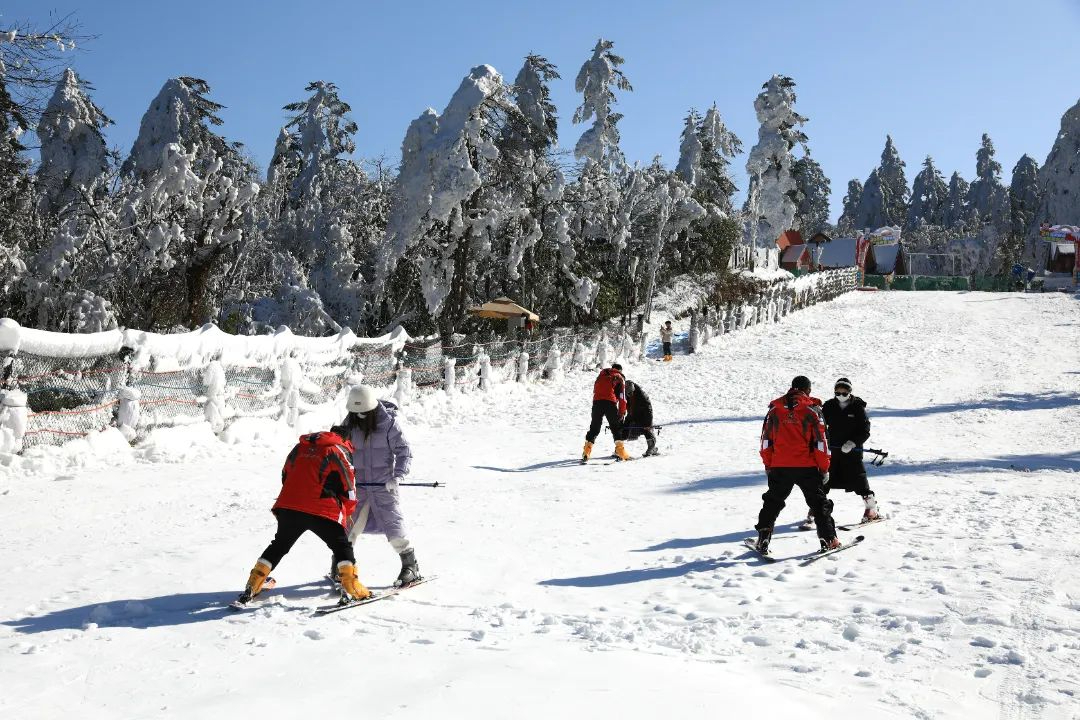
x=533, y=257
x=15, y=198
x=188, y=197
x=597, y=81
x=954, y=213
x=438, y=224
x=1024, y=199
x=690, y=150
x=985, y=193
x=814, y=188
x=74, y=156
x=850, y=210
x=928, y=195
x=885, y=195
x=770, y=205
x=714, y=187
x=871, y=213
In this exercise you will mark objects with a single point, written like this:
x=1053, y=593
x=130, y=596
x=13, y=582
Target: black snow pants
x=604, y=409
x=293, y=523
x=781, y=482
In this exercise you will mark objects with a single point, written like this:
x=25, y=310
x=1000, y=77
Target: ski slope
x=606, y=590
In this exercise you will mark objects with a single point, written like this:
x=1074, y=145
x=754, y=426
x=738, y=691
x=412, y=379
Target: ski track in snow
x=563, y=586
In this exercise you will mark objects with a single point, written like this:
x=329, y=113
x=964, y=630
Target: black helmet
x=801, y=382
x=616, y=366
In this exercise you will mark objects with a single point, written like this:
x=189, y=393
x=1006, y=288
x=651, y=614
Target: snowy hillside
x=602, y=591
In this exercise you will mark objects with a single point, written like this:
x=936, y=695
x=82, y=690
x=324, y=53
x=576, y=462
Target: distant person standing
x=795, y=451
x=609, y=401
x=666, y=334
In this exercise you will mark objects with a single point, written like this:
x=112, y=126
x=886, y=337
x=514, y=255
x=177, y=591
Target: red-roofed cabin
x=787, y=239
x=796, y=257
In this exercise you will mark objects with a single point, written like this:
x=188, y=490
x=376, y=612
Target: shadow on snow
x=163, y=611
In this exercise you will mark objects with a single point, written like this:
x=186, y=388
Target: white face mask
x=843, y=400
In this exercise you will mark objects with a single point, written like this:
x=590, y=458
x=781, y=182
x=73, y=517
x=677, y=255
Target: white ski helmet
x=362, y=399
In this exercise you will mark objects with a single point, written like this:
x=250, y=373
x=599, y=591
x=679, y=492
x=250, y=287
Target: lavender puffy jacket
x=379, y=458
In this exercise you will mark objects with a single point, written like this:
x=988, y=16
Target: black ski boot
x=410, y=569
x=651, y=449
x=763, y=538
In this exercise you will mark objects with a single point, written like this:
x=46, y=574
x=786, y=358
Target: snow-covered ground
x=608, y=590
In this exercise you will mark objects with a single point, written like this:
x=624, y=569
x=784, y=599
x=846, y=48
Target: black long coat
x=846, y=471
x=639, y=413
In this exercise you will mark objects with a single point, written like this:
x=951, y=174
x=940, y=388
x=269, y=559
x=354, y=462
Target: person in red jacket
x=318, y=493
x=795, y=451
x=609, y=401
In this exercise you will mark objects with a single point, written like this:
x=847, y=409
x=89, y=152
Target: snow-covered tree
x=955, y=210
x=885, y=194
x=986, y=191
x=850, y=210
x=437, y=221
x=1025, y=199
x=871, y=212
x=928, y=195
x=814, y=189
x=188, y=196
x=770, y=205
x=15, y=198
x=690, y=150
x=74, y=157
x=597, y=81
x=713, y=186
x=533, y=255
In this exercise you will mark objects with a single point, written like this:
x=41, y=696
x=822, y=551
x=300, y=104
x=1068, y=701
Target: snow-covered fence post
x=692, y=345
x=485, y=371
x=449, y=377
x=290, y=378
x=641, y=346
x=523, y=367
x=128, y=412
x=602, y=350
x=403, y=386
x=13, y=418
x=214, y=386
x=578, y=360
x=553, y=368
x=706, y=331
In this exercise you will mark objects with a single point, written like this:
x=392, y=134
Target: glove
x=847, y=447
x=391, y=485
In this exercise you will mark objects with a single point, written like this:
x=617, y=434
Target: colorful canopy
x=502, y=309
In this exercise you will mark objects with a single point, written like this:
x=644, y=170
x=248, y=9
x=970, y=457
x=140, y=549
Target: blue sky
x=935, y=75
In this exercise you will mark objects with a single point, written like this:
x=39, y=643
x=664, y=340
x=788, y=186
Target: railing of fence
x=55, y=387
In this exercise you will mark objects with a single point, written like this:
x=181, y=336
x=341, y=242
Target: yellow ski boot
x=351, y=587
x=620, y=451
x=586, y=452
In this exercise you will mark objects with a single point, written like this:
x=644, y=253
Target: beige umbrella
x=503, y=309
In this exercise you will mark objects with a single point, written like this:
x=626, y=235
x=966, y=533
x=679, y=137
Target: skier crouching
x=318, y=493
x=609, y=401
x=795, y=451
x=639, y=417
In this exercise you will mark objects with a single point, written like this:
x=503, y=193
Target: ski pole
x=430, y=484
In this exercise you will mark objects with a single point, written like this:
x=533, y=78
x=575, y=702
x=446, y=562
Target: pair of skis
x=239, y=605
x=807, y=559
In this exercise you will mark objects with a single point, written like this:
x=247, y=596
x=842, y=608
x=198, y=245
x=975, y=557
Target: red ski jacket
x=793, y=434
x=318, y=478
x=611, y=387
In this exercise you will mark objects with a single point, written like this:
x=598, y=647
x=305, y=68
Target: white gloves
x=391, y=485
x=845, y=448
